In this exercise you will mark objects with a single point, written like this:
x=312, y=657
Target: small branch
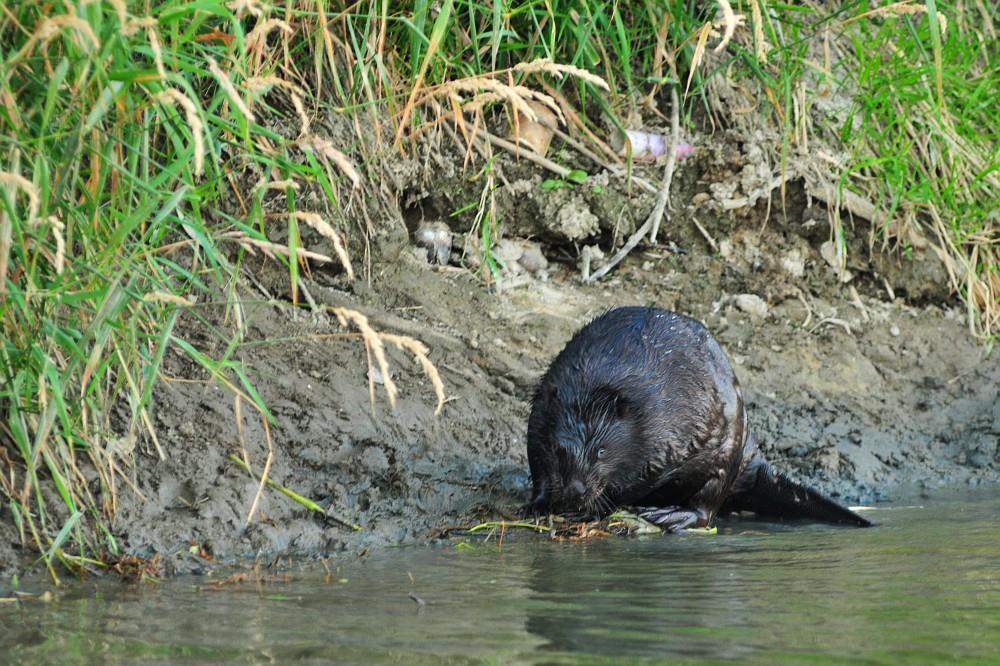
x=623, y=252
x=805, y=304
x=263, y=475
x=708, y=237
x=614, y=169
x=503, y=524
x=663, y=197
x=855, y=204
x=652, y=223
x=579, y=147
x=832, y=321
x=529, y=155
x=288, y=492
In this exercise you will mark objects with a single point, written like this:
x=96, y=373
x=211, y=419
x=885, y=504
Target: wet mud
x=860, y=387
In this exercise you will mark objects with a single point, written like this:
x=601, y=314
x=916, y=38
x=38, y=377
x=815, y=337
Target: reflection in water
x=597, y=599
x=921, y=587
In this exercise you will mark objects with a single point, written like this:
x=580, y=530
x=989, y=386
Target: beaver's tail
x=768, y=492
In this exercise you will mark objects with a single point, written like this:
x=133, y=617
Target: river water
x=923, y=587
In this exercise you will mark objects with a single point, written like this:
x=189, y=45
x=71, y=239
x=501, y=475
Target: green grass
x=108, y=230
x=123, y=152
x=924, y=129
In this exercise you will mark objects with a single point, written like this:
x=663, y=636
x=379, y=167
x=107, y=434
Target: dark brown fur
x=643, y=408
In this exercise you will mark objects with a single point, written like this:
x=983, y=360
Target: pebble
x=752, y=304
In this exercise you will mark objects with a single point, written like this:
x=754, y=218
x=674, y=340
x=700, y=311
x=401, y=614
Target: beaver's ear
x=619, y=403
x=623, y=406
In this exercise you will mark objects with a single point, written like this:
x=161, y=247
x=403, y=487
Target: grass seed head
x=227, y=85
x=173, y=96
x=323, y=227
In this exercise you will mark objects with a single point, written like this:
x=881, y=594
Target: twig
x=256, y=283
x=529, y=155
x=708, y=237
x=623, y=252
x=805, y=304
x=288, y=492
x=663, y=198
x=832, y=321
x=888, y=290
x=585, y=260
x=309, y=299
x=503, y=524
x=614, y=169
x=855, y=204
x=263, y=475
x=579, y=147
x=573, y=118
x=856, y=299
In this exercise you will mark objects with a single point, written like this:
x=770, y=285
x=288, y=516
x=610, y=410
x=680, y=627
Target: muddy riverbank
x=858, y=386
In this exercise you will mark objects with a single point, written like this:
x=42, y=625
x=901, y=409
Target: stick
x=652, y=222
x=708, y=237
x=288, y=492
x=663, y=197
x=614, y=169
x=617, y=257
x=529, y=155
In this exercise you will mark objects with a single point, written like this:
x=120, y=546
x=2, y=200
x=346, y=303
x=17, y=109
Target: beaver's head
x=590, y=453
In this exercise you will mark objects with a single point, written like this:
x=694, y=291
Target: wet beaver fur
x=642, y=408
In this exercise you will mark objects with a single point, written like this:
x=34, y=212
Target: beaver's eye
x=600, y=453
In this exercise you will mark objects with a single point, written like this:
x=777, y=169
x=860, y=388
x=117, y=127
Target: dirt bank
x=848, y=388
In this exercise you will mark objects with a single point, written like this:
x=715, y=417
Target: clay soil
x=862, y=394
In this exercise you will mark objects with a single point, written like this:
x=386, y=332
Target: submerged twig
x=494, y=524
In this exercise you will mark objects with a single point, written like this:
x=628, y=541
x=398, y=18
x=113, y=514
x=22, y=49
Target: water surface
x=923, y=587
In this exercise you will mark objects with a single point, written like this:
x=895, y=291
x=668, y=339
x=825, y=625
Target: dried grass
x=59, y=261
x=257, y=39
x=52, y=27
x=375, y=347
x=13, y=182
x=907, y=8
x=938, y=149
x=18, y=182
x=472, y=94
x=420, y=351
x=271, y=249
x=315, y=221
x=280, y=185
x=227, y=86
x=325, y=150
x=172, y=96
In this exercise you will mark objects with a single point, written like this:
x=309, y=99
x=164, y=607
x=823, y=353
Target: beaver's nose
x=575, y=490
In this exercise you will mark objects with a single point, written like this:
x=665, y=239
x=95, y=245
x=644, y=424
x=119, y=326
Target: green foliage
x=923, y=149
x=110, y=174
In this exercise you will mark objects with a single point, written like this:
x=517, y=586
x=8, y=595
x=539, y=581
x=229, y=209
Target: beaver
x=642, y=408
